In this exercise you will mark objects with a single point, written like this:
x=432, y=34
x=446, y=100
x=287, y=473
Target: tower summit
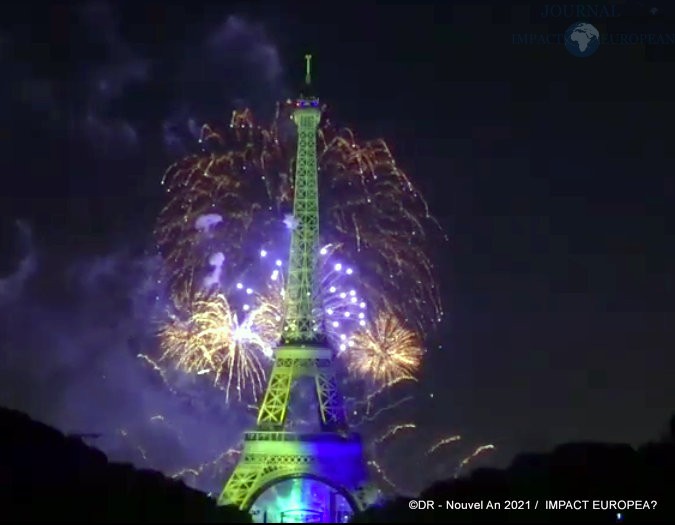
x=327, y=469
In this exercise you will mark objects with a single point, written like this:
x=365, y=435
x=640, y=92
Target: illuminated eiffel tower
x=333, y=456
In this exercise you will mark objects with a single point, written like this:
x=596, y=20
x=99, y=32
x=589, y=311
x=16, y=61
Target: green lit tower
x=332, y=457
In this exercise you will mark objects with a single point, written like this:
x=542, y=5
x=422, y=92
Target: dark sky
x=553, y=175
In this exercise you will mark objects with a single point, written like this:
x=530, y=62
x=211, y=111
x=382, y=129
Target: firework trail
x=479, y=450
x=442, y=442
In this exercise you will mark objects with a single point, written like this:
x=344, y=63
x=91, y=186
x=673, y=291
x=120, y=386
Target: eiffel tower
x=333, y=456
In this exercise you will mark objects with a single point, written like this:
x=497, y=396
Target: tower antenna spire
x=308, y=69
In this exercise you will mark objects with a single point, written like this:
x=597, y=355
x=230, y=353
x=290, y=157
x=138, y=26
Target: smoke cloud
x=235, y=65
x=73, y=362
x=79, y=329
x=101, y=97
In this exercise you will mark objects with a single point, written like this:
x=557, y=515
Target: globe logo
x=582, y=39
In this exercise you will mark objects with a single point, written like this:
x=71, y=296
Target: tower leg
x=242, y=482
x=330, y=404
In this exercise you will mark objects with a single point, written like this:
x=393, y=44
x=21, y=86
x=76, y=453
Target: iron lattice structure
x=270, y=453
x=300, y=324
x=292, y=363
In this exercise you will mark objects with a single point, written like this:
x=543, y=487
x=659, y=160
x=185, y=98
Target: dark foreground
x=46, y=476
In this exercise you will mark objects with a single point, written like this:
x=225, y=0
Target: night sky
x=552, y=176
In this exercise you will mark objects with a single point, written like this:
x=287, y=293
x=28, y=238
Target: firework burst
x=212, y=341
x=234, y=199
x=385, y=351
